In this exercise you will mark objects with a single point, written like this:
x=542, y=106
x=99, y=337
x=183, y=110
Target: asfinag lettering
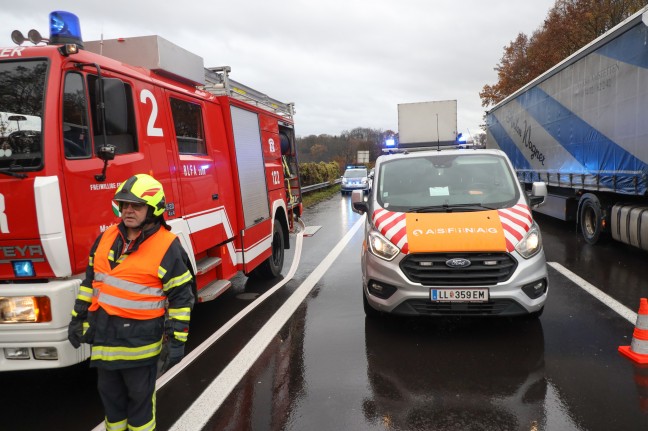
x=460, y=230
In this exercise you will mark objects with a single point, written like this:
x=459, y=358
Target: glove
x=172, y=353
x=176, y=352
x=75, y=333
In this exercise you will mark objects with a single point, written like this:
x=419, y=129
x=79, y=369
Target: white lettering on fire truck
x=103, y=227
x=151, y=130
x=4, y=222
x=194, y=171
x=272, y=146
x=22, y=251
x=12, y=52
x=276, y=179
x=102, y=186
x=453, y=230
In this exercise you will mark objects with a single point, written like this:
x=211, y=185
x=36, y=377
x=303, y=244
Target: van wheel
x=368, y=309
x=272, y=266
x=591, y=218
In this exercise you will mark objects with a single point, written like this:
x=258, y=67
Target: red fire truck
x=76, y=119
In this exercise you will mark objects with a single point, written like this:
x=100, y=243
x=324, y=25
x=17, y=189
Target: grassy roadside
x=310, y=199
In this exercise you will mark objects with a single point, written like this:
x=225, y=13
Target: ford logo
x=458, y=262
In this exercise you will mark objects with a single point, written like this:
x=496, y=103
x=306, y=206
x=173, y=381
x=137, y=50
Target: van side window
x=188, y=124
x=76, y=133
x=124, y=140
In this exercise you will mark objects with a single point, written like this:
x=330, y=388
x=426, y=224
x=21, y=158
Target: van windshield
x=22, y=89
x=466, y=182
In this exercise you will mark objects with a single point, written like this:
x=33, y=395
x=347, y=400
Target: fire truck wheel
x=273, y=265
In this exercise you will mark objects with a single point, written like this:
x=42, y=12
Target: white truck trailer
x=427, y=123
x=581, y=127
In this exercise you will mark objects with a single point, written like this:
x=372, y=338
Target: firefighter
x=137, y=293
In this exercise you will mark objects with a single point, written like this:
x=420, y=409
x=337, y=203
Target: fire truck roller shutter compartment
x=249, y=160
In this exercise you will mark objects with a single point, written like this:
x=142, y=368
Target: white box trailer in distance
x=581, y=128
x=425, y=123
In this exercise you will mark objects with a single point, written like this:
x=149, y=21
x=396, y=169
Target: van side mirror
x=538, y=194
x=358, y=204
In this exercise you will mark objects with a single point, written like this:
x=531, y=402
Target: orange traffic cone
x=638, y=349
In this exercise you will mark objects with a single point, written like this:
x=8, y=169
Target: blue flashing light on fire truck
x=224, y=152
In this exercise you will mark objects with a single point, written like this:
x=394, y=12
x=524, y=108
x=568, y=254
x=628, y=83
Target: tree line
x=342, y=149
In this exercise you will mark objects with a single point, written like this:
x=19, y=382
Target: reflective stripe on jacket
x=133, y=289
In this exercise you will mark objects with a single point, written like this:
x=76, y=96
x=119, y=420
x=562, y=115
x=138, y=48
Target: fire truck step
x=209, y=262
x=213, y=290
x=311, y=230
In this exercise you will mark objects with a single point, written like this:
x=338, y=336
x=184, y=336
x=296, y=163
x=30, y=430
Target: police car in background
x=355, y=178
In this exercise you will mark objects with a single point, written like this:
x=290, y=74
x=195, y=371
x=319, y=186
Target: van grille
x=485, y=269
x=504, y=307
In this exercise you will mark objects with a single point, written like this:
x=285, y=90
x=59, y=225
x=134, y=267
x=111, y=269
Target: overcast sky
x=344, y=63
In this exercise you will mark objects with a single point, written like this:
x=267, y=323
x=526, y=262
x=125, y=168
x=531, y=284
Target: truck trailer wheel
x=591, y=218
x=273, y=265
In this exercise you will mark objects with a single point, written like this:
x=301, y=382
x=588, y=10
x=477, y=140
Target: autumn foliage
x=569, y=25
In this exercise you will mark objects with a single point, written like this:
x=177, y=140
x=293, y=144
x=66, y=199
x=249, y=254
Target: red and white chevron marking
x=516, y=222
x=392, y=226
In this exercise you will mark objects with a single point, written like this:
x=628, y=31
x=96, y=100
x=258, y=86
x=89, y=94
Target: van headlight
x=531, y=244
x=381, y=246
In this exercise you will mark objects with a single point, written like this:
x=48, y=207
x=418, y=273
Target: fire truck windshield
x=22, y=87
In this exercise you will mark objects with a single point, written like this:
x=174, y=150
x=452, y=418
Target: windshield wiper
x=13, y=174
x=450, y=208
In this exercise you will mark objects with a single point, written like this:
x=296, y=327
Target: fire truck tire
x=273, y=265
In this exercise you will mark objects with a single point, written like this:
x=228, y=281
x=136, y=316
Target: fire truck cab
x=78, y=118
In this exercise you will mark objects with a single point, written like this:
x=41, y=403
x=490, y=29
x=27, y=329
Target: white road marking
x=197, y=416
x=234, y=320
x=615, y=305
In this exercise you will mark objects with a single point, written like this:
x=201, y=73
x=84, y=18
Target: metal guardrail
x=313, y=187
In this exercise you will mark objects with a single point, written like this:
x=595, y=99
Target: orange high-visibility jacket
x=133, y=289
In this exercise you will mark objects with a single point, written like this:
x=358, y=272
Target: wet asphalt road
x=330, y=368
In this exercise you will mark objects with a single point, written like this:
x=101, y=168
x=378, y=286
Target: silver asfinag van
x=450, y=232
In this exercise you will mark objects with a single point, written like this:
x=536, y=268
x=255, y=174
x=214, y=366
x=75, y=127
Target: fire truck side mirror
x=106, y=152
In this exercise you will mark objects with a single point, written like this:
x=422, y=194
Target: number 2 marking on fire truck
x=4, y=224
x=151, y=130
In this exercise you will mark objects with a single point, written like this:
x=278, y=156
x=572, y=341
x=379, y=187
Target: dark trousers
x=128, y=396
